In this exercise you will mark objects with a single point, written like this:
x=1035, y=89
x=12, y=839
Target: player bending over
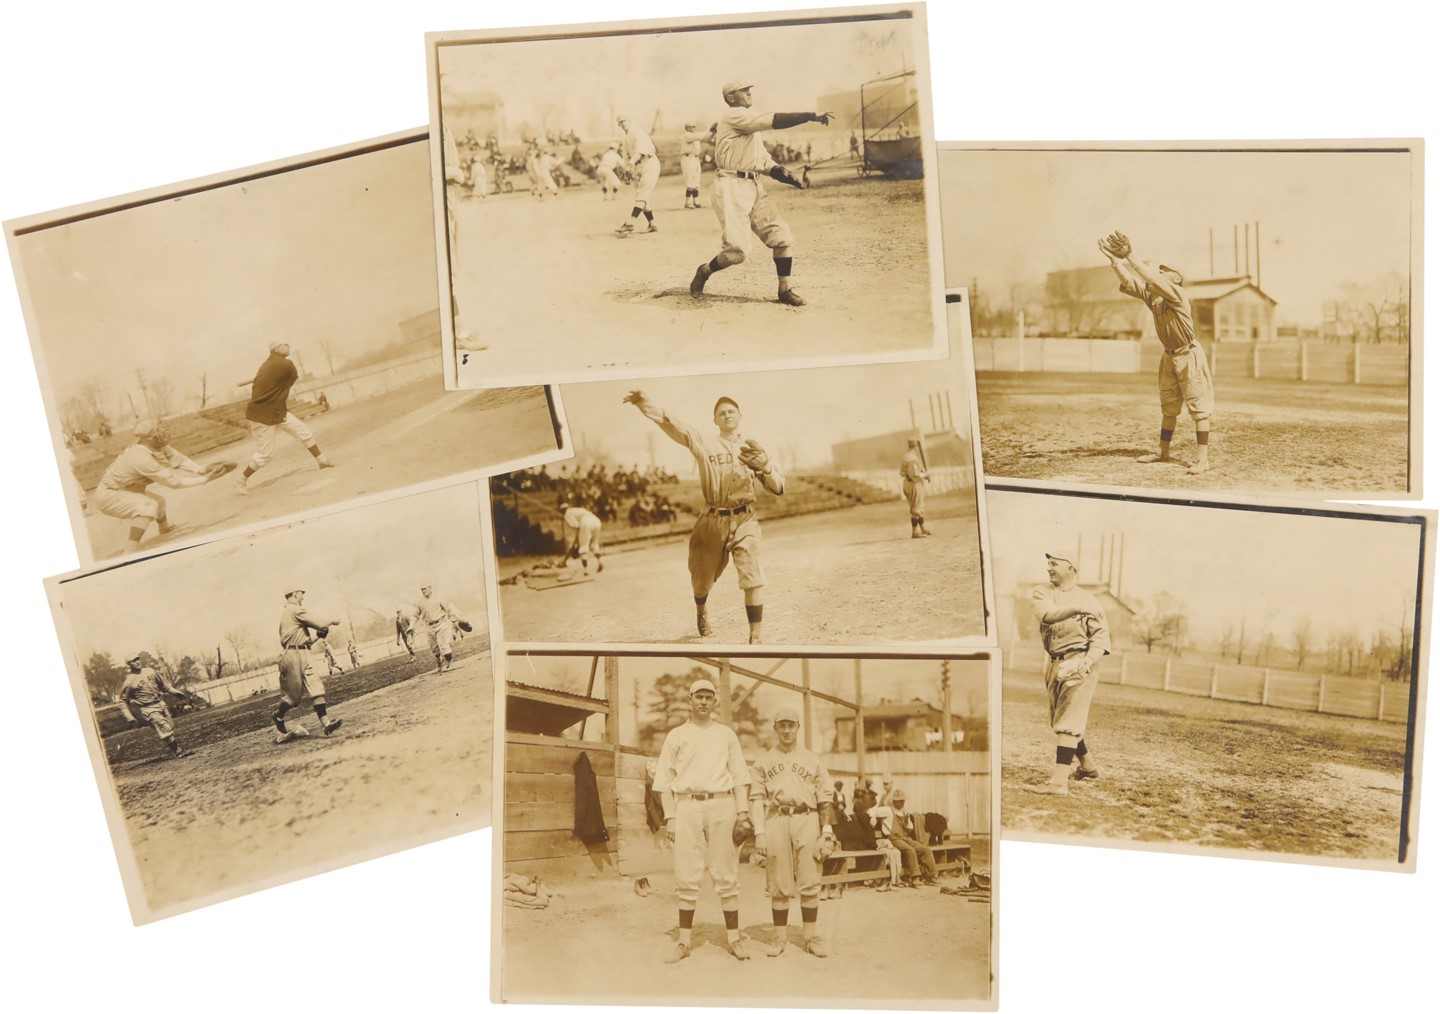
x=123, y=491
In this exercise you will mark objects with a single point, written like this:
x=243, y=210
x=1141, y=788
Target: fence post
x=1214, y=680
x=1124, y=663
x=1304, y=362
x=1255, y=361
x=1380, y=708
x=1265, y=688
x=1320, y=704
x=1168, y=660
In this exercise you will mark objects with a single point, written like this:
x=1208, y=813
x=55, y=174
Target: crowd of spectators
x=608, y=494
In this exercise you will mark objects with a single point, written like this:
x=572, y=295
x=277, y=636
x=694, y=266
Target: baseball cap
x=277, y=342
x=147, y=428
x=898, y=796
x=786, y=714
x=914, y=441
x=722, y=400
x=731, y=87
x=134, y=656
x=702, y=684
x=292, y=590
x=1170, y=267
x=1062, y=559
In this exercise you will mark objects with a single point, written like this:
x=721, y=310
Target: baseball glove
x=744, y=831
x=785, y=176
x=1074, y=669
x=218, y=468
x=826, y=848
x=633, y=398
x=323, y=633
x=1117, y=244
x=753, y=456
x=465, y=625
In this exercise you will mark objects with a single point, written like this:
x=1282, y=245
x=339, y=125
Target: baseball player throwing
x=644, y=169
x=738, y=196
x=1184, y=371
x=124, y=488
x=914, y=475
x=144, y=691
x=437, y=618
x=1076, y=636
x=703, y=782
x=298, y=678
x=269, y=411
x=790, y=789
x=730, y=466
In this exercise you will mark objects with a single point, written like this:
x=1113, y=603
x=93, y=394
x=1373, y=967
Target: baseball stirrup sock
x=781, y=915
x=809, y=914
x=714, y=265
x=1166, y=436
x=649, y=216
x=314, y=450
x=732, y=918
x=1080, y=750
x=754, y=613
x=687, y=918
x=320, y=710
x=783, y=266
x=1202, y=437
x=1064, y=755
x=635, y=212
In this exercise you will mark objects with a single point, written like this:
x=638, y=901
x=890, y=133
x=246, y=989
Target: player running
x=144, y=691
x=269, y=411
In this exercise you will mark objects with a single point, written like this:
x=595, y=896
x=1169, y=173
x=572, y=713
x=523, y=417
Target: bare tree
x=1161, y=622
x=244, y=645
x=1300, y=635
x=1227, y=638
x=204, y=390
x=328, y=348
x=214, y=666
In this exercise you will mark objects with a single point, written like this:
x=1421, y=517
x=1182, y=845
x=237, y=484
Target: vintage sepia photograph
x=1228, y=678
x=218, y=355
x=1231, y=316
x=672, y=197
x=707, y=830
x=831, y=506
x=271, y=706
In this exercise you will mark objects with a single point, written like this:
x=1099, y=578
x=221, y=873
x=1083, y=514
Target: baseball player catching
x=692, y=143
x=644, y=171
x=703, y=783
x=1185, y=380
x=123, y=491
x=437, y=618
x=795, y=828
x=729, y=465
x=1076, y=635
x=914, y=475
x=738, y=196
x=269, y=411
x=144, y=691
x=298, y=678
x=584, y=543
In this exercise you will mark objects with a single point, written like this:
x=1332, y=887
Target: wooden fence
x=956, y=784
x=1382, y=700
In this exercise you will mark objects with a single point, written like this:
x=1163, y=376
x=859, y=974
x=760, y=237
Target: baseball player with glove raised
x=790, y=789
x=738, y=195
x=1185, y=380
x=703, y=785
x=298, y=678
x=144, y=691
x=643, y=165
x=1076, y=636
x=124, y=489
x=730, y=466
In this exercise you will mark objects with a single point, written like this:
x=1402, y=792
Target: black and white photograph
x=221, y=354
x=1234, y=678
x=231, y=757
x=797, y=830
x=689, y=195
x=1241, y=317
x=830, y=506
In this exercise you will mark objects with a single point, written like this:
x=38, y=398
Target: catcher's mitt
x=783, y=175
x=323, y=633
x=218, y=468
x=826, y=848
x=1074, y=669
x=465, y=625
x=744, y=831
x=1117, y=244
x=753, y=456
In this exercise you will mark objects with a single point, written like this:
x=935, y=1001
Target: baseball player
x=703, y=784
x=405, y=632
x=1184, y=371
x=354, y=653
x=268, y=411
x=692, y=143
x=298, y=679
x=795, y=827
x=738, y=196
x=914, y=475
x=438, y=619
x=144, y=691
x=644, y=166
x=1076, y=636
x=729, y=465
x=605, y=172
x=585, y=543
x=123, y=489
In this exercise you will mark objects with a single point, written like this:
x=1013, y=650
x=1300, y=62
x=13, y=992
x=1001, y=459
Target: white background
x=102, y=99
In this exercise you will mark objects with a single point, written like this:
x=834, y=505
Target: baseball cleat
x=241, y=486
x=915, y=533
x=816, y=947
x=776, y=949
x=1048, y=789
x=331, y=725
x=624, y=230
x=1152, y=459
x=790, y=298
x=290, y=735
x=651, y=228
x=1198, y=468
x=702, y=624
x=738, y=950
x=1081, y=774
x=697, y=284
x=678, y=953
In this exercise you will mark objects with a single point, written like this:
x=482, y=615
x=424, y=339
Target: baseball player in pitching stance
x=703, y=785
x=144, y=691
x=585, y=540
x=729, y=465
x=1076, y=635
x=795, y=828
x=123, y=490
x=269, y=411
x=738, y=196
x=644, y=171
x=298, y=678
x=1185, y=380
x=914, y=475
x=692, y=143
x=438, y=618
x=605, y=170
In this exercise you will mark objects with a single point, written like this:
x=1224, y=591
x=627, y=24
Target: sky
x=1326, y=219
x=1341, y=572
x=583, y=82
x=795, y=414
x=355, y=564
x=342, y=251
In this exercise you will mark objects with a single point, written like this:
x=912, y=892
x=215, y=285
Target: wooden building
x=1231, y=310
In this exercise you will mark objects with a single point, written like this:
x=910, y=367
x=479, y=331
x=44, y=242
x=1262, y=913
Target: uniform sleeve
x=1097, y=627
x=1041, y=600
x=739, y=770
x=1132, y=286
x=175, y=459
x=1168, y=291
x=682, y=433
x=758, y=788
x=747, y=121
x=153, y=469
x=909, y=468
x=665, y=766
x=825, y=792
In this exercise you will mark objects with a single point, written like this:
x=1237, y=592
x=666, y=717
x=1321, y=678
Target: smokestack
x=950, y=413
x=1212, y=251
x=1247, y=249
x=1235, y=242
x=932, y=414
x=1257, y=255
x=911, y=403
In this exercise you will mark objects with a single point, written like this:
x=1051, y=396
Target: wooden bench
x=869, y=864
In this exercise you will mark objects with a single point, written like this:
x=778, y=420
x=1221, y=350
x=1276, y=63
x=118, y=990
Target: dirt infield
x=1209, y=773
x=414, y=435
x=238, y=812
x=900, y=945
x=1269, y=436
x=849, y=577
x=577, y=298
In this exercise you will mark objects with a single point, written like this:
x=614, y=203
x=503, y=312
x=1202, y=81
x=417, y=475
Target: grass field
x=1308, y=440
x=238, y=812
x=1213, y=774
x=571, y=297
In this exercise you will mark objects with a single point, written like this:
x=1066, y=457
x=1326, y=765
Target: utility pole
x=945, y=703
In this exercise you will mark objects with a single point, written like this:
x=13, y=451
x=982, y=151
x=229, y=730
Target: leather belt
x=1180, y=351
x=1054, y=657
x=725, y=512
x=744, y=174
x=702, y=796
x=789, y=809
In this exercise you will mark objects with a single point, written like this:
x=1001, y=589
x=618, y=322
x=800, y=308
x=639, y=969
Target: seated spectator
x=918, y=857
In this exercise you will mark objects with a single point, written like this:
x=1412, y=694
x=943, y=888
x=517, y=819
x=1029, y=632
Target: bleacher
x=870, y=864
